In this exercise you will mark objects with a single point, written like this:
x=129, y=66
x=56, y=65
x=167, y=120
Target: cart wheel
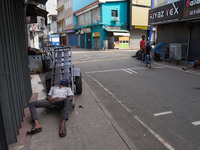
x=138, y=53
x=79, y=84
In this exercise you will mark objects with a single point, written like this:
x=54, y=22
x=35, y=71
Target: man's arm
x=51, y=100
x=70, y=97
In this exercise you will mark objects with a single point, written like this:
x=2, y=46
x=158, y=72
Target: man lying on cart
x=58, y=96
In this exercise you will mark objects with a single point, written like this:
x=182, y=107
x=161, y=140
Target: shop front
x=88, y=38
x=178, y=22
x=82, y=37
x=117, y=38
x=71, y=37
x=96, y=40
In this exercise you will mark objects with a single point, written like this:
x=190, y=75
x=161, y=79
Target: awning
x=121, y=34
x=33, y=11
x=41, y=1
x=116, y=30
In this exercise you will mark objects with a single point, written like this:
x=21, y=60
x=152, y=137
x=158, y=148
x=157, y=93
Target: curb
x=118, y=129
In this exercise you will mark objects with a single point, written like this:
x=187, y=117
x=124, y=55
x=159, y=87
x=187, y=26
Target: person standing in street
x=142, y=48
x=147, y=52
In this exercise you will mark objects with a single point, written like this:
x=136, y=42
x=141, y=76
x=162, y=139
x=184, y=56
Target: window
x=61, y=13
x=114, y=13
x=70, y=20
x=65, y=6
x=65, y=21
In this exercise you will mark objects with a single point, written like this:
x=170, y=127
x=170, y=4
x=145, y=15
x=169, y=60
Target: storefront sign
x=191, y=9
x=70, y=31
x=169, y=13
x=96, y=34
x=123, y=38
x=141, y=27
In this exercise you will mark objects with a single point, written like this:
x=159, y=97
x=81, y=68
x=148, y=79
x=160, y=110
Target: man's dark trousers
x=45, y=103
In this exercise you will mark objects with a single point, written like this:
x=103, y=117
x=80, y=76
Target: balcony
x=60, y=4
x=60, y=30
x=61, y=17
x=88, y=22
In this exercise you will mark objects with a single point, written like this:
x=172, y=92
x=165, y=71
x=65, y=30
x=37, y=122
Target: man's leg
x=188, y=67
x=141, y=57
x=66, y=103
x=37, y=104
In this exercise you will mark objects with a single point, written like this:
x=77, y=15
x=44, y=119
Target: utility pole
x=150, y=34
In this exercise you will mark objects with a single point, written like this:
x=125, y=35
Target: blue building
x=65, y=24
x=102, y=24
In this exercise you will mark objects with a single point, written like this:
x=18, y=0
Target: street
x=157, y=108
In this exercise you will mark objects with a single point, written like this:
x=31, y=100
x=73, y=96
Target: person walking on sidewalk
x=194, y=64
x=59, y=96
x=147, y=51
x=142, y=48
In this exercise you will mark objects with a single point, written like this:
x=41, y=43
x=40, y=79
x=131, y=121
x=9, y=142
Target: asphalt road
x=158, y=108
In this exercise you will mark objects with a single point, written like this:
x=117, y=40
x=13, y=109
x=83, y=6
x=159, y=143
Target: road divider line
x=127, y=71
x=196, y=123
x=163, y=113
x=163, y=141
x=131, y=71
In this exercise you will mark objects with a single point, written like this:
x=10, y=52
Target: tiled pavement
x=88, y=128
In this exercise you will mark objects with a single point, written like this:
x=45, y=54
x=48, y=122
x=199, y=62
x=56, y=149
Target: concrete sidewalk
x=89, y=127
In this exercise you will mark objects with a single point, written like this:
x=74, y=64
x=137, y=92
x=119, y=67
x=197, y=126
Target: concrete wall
x=107, y=19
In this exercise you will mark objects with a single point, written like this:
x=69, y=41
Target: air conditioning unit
x=175, y=51
x=116, y=18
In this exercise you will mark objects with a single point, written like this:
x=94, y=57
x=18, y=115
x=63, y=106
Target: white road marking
x=131, y=71
x=163, y=113
x=110, y=93
x=196, y=123
x=104, y=71
x=163, y=141
x=127, y=71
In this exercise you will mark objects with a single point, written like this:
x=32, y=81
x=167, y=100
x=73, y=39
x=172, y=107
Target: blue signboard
x=54, y=39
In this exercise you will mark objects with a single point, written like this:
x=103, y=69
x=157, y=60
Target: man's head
x=64, y=82
x=143, y=37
